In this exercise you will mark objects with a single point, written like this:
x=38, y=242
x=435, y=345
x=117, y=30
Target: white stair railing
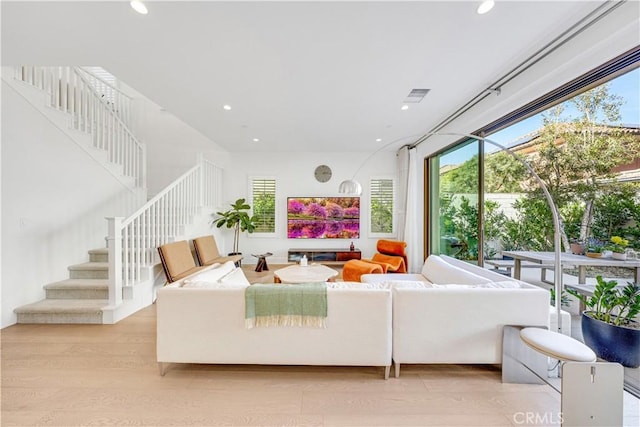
x=70, y=90
x=133, y=241
x=119, y=101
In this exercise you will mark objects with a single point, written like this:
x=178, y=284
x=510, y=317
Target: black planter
x=238, y=263
x=612, y=343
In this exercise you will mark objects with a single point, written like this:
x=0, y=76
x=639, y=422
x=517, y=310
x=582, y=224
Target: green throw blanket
x=286, y=305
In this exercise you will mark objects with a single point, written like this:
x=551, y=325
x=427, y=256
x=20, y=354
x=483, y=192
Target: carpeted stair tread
x=55, y=306
x=79, y=283
x=90, y=266
x=99, y=255
x=99, y=251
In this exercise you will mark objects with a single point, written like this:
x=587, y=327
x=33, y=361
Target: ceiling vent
x=416, y=95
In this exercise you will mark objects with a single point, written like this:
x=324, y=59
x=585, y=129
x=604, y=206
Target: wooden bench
x=505, y=266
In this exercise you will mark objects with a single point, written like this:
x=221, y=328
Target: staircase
x=78, y=299
x=118, y=280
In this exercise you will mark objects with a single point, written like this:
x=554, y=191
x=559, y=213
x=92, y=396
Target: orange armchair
x=393, y=254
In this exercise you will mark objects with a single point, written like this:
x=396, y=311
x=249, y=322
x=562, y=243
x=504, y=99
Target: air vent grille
x=416, y=95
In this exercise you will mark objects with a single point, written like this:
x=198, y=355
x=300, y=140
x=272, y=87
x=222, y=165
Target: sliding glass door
x=454, y=191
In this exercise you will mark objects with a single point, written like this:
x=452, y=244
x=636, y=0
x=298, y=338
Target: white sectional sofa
x=200, y=319
x=454, y=312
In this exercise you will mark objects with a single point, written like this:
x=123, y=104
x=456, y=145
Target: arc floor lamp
x=351, y=186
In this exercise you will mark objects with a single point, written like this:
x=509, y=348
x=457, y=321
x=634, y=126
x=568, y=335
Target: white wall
x=172, y=145
x=294, y=174
x=54, y=201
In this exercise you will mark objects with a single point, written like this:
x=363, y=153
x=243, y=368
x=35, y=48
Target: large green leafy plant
x=611, y=305
x=237, y=218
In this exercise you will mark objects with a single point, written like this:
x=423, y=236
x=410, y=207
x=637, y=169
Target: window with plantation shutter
x=263, y=195
x=381, y=207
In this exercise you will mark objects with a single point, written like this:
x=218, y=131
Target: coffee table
x=304, y=274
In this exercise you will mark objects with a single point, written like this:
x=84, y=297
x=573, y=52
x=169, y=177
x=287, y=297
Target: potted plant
x=617, y=247
x=577, y=247
x=593, y=248
x=237, y=218
x=608, y=324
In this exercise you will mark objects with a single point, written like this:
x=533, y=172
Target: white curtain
x=403, y=182
x=408, y=215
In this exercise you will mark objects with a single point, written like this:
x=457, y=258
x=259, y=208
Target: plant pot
x=612, y=343
x=239, y=263
x=577, y=249
x=619, y=256
x=593, y=254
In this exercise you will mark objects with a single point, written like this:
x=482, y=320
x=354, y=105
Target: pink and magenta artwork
x=323, y=217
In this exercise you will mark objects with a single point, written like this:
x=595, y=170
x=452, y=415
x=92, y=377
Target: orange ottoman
x=355, y=268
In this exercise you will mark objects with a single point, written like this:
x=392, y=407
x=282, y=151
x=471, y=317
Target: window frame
x=394, y=210
x=252, y=179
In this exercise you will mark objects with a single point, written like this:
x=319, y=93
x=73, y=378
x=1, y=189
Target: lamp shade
x=350, y=186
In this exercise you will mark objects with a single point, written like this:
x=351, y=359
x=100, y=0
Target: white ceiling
x=311, y=76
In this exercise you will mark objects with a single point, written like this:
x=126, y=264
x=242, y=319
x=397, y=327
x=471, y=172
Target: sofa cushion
x=502, y=284
x=231, y=280
x=412, y=284
x=454, y=286
x=505, y=284
x=211, y=275
x=356, y=285
x=234, y=278
x=417, y=284
x=439, y=271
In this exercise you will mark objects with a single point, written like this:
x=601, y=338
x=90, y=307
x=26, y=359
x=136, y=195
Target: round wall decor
x=323, y=173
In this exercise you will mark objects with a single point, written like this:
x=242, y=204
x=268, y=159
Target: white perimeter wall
x=54, y=201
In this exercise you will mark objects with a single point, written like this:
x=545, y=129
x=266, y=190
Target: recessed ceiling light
x=139, y=7
x=256, y=140
x=227, y=107
x=379, y=139
x=485, y=6
x=404, y=107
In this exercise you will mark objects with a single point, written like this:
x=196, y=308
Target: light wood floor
x=66, y=375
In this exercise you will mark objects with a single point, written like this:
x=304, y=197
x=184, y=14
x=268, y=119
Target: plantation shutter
x=264, y=204
x=381, y=206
